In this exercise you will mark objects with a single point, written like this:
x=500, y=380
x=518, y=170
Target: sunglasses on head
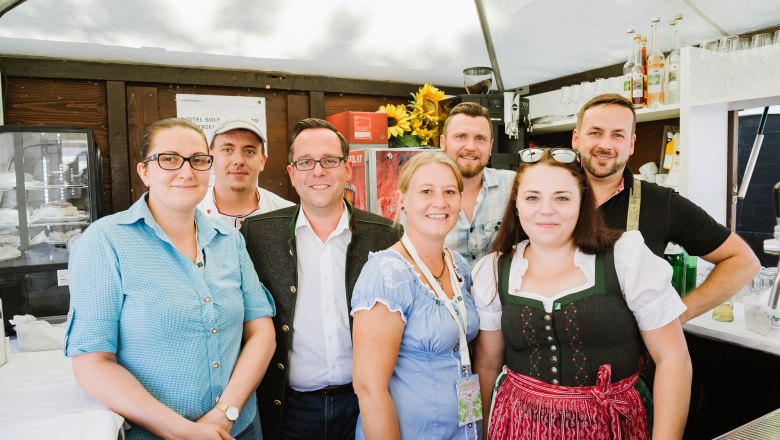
x=560, y=155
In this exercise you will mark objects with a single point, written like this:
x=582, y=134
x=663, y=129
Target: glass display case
x=50, y=191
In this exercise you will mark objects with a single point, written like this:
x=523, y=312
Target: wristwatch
x=231, y=412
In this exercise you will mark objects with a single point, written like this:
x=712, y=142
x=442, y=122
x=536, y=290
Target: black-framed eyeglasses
x=173, y=161
x=560, y=155
x=325, y=162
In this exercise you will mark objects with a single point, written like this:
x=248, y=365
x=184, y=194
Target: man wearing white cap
x=239, y=149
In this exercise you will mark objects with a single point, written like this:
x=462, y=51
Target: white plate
x=16, y=254
x=79, y=216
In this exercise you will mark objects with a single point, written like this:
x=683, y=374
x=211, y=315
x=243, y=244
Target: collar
x=213, y=193
x=344, y=224
x=626, y=182
x=139, y=211
x=489, y=178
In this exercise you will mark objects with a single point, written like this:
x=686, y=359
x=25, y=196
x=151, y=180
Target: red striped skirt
x=527, y=408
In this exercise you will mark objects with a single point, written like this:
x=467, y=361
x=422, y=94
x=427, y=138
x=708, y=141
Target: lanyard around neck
x=462, y=322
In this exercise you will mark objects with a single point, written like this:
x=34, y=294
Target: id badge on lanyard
x=467, y=388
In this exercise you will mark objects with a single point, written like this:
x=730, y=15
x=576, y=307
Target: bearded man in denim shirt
x=467, y=137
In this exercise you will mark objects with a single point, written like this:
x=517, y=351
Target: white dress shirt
x=646, y=281
x=321, y=351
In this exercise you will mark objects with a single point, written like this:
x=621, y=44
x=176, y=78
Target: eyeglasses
x=325, y=162
x=173, y=161
x=560, y=155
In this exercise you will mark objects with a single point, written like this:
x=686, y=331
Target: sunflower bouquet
x=417, y=123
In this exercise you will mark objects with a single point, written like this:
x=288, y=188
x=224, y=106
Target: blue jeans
x=311, y=417
x=252, y=432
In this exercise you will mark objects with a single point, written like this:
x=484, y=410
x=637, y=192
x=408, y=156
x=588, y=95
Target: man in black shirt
x=605, y=136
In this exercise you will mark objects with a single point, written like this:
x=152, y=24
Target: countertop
x=40, y=399
x=733, y=332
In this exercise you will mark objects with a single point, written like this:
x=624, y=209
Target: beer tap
x=772, y=247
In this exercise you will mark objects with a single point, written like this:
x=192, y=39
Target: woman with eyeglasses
x=161, y=296
x=565, y=307
x=413, y=318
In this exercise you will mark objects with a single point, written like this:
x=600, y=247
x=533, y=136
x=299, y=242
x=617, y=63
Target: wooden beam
x=144, y=73
x=317, y=104
x=142, y=110
x=119, y=153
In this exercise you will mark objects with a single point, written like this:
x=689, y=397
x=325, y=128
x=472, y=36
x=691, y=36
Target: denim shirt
x=176, y=329
x=473, y=239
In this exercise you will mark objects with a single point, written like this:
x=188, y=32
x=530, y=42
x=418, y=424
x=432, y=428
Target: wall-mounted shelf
x=642, y=115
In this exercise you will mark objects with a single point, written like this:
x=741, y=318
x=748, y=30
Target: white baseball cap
x=240, y=122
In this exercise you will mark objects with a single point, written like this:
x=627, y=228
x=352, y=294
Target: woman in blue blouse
x=413, y=315
x=160, y=298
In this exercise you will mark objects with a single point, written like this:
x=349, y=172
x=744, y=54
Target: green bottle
x=676, y=257
x=690, y=273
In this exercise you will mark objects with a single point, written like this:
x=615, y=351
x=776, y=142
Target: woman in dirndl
x=566, y=308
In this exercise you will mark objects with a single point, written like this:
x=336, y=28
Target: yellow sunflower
x=427, y=137
x=397, y=119
x=426, y=103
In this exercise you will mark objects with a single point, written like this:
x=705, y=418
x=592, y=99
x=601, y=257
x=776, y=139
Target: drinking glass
x=566, y=99
x=704, y=77
x=761, y=55
x=601, y=86
x=576, y=97
x=587, y=91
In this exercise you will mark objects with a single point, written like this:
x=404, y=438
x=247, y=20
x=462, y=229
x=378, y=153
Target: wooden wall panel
x=340, y=102
x=32, y=101
x=116, y=101
x=142, y=110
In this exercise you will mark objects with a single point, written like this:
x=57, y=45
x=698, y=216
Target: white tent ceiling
x=412, y=41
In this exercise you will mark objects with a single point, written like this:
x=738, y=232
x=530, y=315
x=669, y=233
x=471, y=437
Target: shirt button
x=554, y=359
x=473, y=257
x=277, y=402
x=555, y=381
x=547, y=317
x=292, y=289
x=280, y=366
x=554, y=370
x=456, y=348
x=207, y=299
x=214, y=331
x=547, y=327
x=553, y=348
x=215, y=365
x=285, y=328
x=549, y=339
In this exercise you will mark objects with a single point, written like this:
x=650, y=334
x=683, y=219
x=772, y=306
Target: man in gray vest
x=309, y=257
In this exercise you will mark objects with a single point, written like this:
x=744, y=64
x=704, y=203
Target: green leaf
x=410, y=141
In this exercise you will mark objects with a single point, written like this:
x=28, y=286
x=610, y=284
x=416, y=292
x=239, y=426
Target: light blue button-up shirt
x=176, y=328
x=473, y=239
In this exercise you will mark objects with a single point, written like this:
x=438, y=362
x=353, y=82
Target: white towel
x=35, y=335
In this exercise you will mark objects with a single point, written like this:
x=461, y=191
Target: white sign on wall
x=207, y=110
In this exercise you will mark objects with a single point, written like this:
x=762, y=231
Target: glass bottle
x=629, y=65
x=668, y=162
x=655, y=70
x=690, y=273
x=637, y=75
x=672, y=72
x=675, y=255
x=644, y=64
